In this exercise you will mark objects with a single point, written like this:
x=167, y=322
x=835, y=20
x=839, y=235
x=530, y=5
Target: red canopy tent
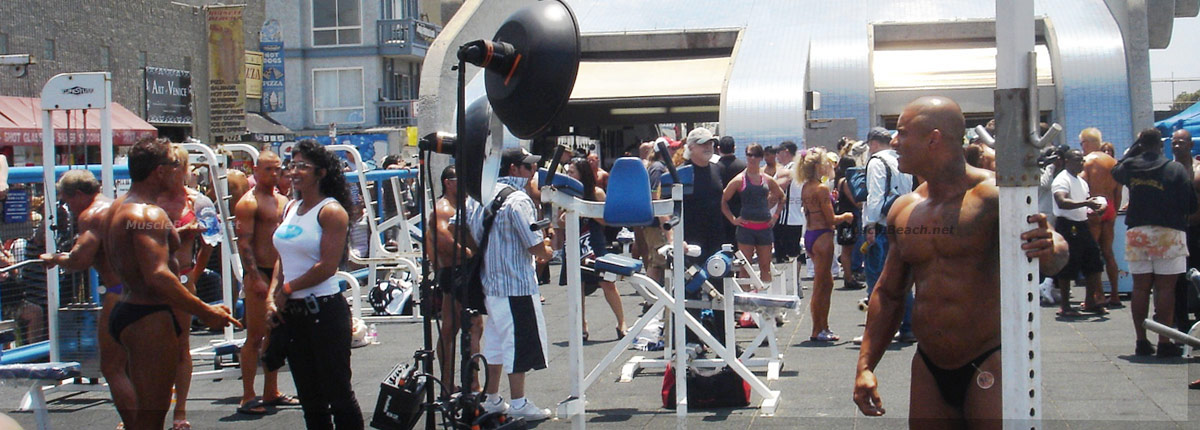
x=21, y=124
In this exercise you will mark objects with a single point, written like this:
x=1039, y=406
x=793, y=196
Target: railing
x=400, y=113
x=406, y=33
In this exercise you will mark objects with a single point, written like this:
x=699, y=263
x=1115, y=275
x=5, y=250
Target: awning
x=650, y=78
x=21, y=124
x=927, y=69
x=264, y=129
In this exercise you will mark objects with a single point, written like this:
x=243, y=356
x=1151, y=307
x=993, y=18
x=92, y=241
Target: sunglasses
x=299, y=165
x=758, y=155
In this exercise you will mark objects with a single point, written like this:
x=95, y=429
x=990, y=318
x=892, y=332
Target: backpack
x=889, y=197
x=856, y=179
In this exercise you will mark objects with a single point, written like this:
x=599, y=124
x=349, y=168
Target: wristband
x=287, y=288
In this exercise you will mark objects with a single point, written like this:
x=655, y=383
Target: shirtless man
x=81, y=191
x=141, y=243
x=443, y=260
x=1097, y=171
x=261, y=211
x=956, y=315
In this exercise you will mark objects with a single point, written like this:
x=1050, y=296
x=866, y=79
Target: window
x=3, y=44
x=187, y=63
x=336, y=22
x=142, y=60
x=48, y=49
x=338, y=96
x=105, y=58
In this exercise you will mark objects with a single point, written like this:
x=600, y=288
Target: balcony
x=405, y=37
x=397, y=113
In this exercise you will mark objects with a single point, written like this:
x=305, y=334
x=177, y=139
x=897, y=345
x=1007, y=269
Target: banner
x=254, y=67
x=168, y=96
x=226, y=83
x=271, y=45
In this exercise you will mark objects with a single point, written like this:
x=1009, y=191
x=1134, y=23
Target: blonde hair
x=810, y=167
x=181, y=154
x=1092, y=134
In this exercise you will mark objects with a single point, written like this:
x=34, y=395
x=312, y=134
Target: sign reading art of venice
x=168, y=96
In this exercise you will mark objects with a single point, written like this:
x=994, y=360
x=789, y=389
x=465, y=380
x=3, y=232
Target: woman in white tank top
x=311, y=242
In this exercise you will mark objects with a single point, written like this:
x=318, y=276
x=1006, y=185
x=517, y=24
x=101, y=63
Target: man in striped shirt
x=514, y=336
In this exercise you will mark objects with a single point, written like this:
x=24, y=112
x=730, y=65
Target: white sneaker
x=529, y=411
x=501, y=406
x=1047, y=290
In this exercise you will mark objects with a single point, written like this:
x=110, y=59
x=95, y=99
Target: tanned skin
x=258, y=213
x=140, y=241
x=1097, y=171
x=955, y=263
x=443, y=257
x=88, y=252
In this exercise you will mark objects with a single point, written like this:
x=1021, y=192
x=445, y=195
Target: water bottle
x=211, y=226
x=372, y=335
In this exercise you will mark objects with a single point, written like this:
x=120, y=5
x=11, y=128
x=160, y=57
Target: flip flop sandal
x=181, y=425
x=253, y=407
x=825, y=336
x=1069, y=313
x=1097, y=309
x=283, y=400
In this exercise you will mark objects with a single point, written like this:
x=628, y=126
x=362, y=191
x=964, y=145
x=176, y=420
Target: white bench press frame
x=575, y=405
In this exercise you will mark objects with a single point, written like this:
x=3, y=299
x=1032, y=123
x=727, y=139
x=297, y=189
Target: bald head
x=1181, y=144
x=268, y=155
x=936, y=113
x=929, y=136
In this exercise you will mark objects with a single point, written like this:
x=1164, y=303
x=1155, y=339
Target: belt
x=310, y=305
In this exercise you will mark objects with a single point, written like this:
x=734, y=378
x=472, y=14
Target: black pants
x=319, y=356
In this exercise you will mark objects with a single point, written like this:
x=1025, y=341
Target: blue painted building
x=354, y=63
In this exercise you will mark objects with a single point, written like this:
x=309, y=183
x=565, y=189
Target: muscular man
x=81, y=191
x=141, y=243
x=452, y=295
x=1181, y=147
x=1097, y=171
x=259, y=212
x=948, y=223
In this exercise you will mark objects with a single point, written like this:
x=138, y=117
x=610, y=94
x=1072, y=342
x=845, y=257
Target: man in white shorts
x=514, y=336
x=1161, y=197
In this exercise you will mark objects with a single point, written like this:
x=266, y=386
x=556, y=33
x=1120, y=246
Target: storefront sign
x=226, y=80
x=272, y=68
x=168, y=96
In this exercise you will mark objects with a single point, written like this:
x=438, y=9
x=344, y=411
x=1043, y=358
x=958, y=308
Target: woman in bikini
x=818, y=236
x=183, y=207
x=593, y=243
x=762, y=200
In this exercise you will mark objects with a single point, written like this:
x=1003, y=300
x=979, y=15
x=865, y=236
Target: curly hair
x=333, y=181
x=810, y=167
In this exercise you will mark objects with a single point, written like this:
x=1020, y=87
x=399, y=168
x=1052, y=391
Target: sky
x=1181, y=58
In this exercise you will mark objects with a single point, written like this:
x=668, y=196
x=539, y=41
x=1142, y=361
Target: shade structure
x=21, y=124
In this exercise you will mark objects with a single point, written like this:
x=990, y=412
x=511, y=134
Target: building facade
x=122, y=38
x=352, y=63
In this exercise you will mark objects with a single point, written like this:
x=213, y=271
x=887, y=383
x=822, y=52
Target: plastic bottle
x=372, y=335
x=212, y=226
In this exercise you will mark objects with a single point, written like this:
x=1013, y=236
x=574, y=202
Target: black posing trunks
x=125, y=314
x=446, y=277
x=953, y=383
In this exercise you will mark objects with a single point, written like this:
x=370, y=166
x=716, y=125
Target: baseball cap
x=700, y=136
x=879, y=133
x=516, y=155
